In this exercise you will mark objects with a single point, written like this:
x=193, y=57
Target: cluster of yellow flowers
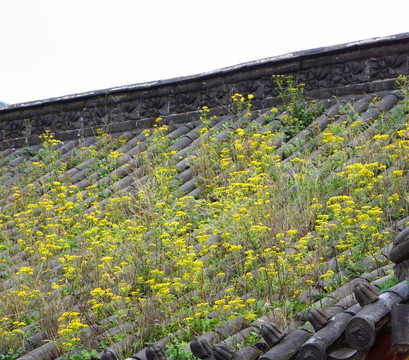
x=242, y=246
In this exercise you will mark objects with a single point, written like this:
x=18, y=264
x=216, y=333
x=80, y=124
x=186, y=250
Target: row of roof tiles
x=131, y=173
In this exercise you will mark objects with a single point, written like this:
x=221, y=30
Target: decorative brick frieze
x=365, y=66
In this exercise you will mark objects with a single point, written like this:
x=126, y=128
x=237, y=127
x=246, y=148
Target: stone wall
x=365, y=66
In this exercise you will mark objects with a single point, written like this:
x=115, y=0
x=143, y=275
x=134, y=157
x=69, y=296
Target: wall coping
x=298, y=55
x=357, y=67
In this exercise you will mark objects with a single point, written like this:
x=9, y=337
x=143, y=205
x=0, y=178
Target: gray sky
x=51, y=48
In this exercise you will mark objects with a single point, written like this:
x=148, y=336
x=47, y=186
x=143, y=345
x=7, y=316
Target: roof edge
x=359, y=67
x=292, y=56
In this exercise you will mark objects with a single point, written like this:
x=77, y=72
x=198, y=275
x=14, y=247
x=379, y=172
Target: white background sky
x=50, y=48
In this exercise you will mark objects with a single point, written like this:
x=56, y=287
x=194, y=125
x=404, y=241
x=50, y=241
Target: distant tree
x=2, y=103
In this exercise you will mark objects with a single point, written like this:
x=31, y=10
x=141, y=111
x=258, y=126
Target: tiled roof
x=242, y=234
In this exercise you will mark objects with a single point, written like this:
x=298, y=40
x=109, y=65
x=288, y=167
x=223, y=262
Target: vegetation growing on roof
x=298, y=112
x=274, y=226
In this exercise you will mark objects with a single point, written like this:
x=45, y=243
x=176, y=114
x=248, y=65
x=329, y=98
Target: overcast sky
x=51, y=48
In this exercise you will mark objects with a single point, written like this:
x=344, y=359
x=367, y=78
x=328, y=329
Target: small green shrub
x=176, y=350
x=300, y=112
